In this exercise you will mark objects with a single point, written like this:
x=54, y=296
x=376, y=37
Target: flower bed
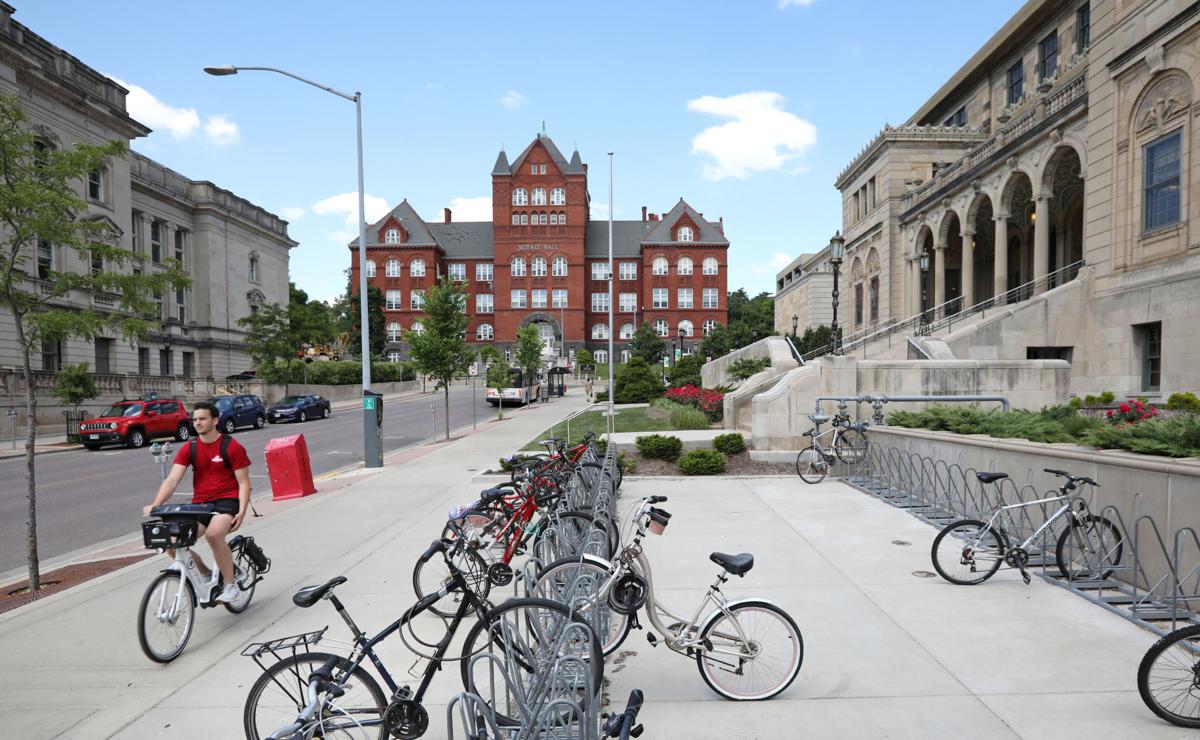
x=708, y=400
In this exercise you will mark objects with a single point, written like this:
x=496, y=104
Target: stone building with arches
x=1045, y=189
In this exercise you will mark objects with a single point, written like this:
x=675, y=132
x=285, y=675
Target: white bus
x=518, y=392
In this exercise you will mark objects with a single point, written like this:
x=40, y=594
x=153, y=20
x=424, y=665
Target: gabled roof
x=663, y=231
x=574, y=167
x=418, y=230
x=466, y=239
x=627, y=238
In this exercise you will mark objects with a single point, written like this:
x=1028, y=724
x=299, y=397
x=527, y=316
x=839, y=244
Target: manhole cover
x=902, y=543
x=924, y=574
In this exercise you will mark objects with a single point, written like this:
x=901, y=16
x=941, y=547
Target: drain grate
x=902, y=543
x=924, y=574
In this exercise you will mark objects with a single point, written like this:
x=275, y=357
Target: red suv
x=133, y=423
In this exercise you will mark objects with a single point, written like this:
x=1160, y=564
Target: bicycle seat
x=189, y=511
x=809, y=433
x=990, y=477
x=495, y=493
x=310, y=595
x=738, y=565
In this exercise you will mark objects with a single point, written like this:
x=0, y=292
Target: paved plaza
x=887, y=653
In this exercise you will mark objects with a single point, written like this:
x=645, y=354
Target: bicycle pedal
x=1025, y=577
x=650, y=638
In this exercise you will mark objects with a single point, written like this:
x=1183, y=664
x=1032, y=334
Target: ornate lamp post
x=795, y=324
x=837, y=250
x=167, y=364
x=923, y=326
x=681, y=345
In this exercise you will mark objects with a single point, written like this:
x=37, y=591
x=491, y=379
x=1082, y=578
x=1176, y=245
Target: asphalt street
x=85, y=498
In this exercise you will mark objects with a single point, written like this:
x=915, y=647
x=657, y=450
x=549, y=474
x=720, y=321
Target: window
x=95, y=185
x=180, y=241
x=1083, y=28
x=600, y=271
x=709, y=298
x=542, y=219
x=710, y=266
x=520, y=197
x=559, y=298
x=625, y=355
x=710, y=326
x=539, y=267
x=684, y=266
x=485, y=333
x=255, y=275
x=600, y=331
x=685, y=328
x=518, y=267
x=562, y=219
x=601, y=356
x=858, y=304
x=539, y=197
x=524, y=219
x=1016, y=83
x=628, y=270
x=1048, y=56
x=560, y=267
x=628, y=302
x=659, y=266
x=97, y=261
x=553, y=219
x=416, y=300
x=370, y=268
x=143, y=360
x=158, y=305
x=661, y=327
x=599, y=302
x=1149, y=339
x=156, y=229
x=165, y=362
x=391, y=268
x=394, y=331
x=660, y=299
x=483, y=271
x=874, y=298
x=558, y=197
x=135, y=223
x=392, y=236
x=418, y=327
x=103, y=348
x=538, y=298
x=416, y=268
x=394, y=357
x=958, y=118
x=458, y=272
x=684, y=234
x=532, y=168
x=518, y=299
x=51, y=355
x=627, y=331
x=684, y=298
x=1161, y=207
x=516, y=219
x=181, y=304
x=394, y=301
x=189, y=366
x=484, y=303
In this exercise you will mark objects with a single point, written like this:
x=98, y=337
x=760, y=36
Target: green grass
x=628, y=420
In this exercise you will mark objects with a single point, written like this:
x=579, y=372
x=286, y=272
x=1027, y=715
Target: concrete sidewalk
x=887, y=653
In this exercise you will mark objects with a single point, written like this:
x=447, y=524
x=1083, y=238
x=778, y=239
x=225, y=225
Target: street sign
x=369, y=403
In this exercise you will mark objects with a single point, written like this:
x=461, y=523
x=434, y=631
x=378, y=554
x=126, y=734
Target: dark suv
x=243, y=410
x=133, y=423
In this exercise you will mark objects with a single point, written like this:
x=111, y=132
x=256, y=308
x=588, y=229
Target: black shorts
x=229, y=506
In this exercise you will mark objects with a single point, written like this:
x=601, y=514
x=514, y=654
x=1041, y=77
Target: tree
x=270, y=343
x=41, y=207
x=647, y=345
x=346, y=321
x=497, y=373
x=528, y=352
x=637, y=381
x=73, y=385
x=440, y=350
x=687, y=371
x=718, y=343
x=814, y=338
x=310, y=322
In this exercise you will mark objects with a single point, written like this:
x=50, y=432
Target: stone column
x=1000, y=268
x=1041, y=240
x=914, y=283
x=938, y=265
x=967, y=272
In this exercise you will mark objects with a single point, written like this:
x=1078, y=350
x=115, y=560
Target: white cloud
x=181, y=123
x=783, y=4
x=472, y=209
x=761, y=136
x=598, y=211
x=513, y=99
x=778, y=261
x=347, y=204
x=221, y=130
x=292, y=213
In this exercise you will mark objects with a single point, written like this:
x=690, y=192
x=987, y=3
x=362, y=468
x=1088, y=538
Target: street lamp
x=795, y=323
x=837, y=250
x=681, y=345
x=923, y=326
x=372, y=457
x=167, y=342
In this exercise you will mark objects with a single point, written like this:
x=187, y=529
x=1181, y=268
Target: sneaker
x=230, y=593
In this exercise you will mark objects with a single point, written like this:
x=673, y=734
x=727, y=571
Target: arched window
x=684, y=266
x=416, y=268
x=710, y=266
x=520, y=197
x=542, y=219
x=558, y=197
x=662, y=328
x=709, y=326
x=684, y=234
x=539, y=267
x=685, y=327
x=601, y=356
x=553, y=218
x=539, y=197
x=600, y=331
x=518, y=267
x=255, y=277
x=660, y=266
x=418, y=327
x=254, y=268
x=485, y=333
x=392, y=236
x=394, y=331
x=627, y=331
x=516, y=219
x=524, y=219
x=560, y=266
x=391, y=268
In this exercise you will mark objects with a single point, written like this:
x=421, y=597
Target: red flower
x=1110, y=413
x=1124, y=408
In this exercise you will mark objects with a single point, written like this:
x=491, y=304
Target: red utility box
x=288, y=467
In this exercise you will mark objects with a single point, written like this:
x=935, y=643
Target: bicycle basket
x=160, y=535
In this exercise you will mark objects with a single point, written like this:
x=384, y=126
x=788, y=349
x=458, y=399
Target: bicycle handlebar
x=1072, y=479
x=656, y=499
x=435, y=547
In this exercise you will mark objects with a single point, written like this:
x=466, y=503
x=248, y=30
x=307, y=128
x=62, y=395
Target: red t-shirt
x=211, y=480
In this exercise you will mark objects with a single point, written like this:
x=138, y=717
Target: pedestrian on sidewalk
x=587, y=386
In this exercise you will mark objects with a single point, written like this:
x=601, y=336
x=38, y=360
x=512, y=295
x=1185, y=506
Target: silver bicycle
x=847, y=442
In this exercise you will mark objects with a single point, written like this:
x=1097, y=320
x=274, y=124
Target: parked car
x=134, y=422
x=299, y=408
x=242, y=410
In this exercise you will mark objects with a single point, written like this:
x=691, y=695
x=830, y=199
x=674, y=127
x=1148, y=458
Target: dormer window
x=520, y=197
x=391, y=236
x=539, y=196
x=684, y=234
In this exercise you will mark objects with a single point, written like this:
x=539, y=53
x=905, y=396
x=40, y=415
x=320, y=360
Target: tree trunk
x=447, y=390
x=501, y=405
x=35, y=579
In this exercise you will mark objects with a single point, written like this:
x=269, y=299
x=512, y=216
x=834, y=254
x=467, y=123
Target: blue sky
x=747, y=109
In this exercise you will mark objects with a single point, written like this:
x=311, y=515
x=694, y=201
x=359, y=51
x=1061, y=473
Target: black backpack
x=225, y=439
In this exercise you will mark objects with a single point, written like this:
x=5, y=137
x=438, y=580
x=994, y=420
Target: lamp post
x=923, y=326
x=681, y=344
x=166, y=365
x=795, y=324
x=837, y=250
x=372, y=455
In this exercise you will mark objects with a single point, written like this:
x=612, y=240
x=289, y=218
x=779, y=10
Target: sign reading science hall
x=537, y=246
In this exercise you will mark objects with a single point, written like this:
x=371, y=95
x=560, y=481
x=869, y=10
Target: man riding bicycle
x=220, y=479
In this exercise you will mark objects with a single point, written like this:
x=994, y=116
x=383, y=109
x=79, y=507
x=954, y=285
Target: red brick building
x=542, y=261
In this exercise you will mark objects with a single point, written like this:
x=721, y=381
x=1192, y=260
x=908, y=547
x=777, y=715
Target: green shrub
x=687, y=371
x=747, y=366
x=600, y=397
x=1185, y=401
x=702, y=462
x=512, y=461
x=1075, y=403
x=73, y=385
x=659, y=447
x=637, y=382
x=1178, y=436
x=730, y=444
x=687, y=417
x=1102, y=399
x=1107, y=397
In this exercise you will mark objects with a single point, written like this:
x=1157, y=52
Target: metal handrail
x=795, y=352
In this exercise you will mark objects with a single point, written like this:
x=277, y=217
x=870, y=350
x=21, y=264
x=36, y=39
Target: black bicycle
x=1169, y=677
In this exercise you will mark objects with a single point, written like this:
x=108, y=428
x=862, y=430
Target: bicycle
x=1168, y=677
x=849, y=444
x=745, y=649
x=168, y=608
x=970, y=551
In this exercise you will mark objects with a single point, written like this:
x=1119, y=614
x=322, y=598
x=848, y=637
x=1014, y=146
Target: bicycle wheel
x=967, y=552
x=522, y=644
x=430, y=575
x=484, y=521
x=851, y=446
x=752, y=653
x=1089, y=549
x=281, y=692
x=577, y=584
x=166, y=617
x=811, y=466
x=247, y=582
x=1169, y=677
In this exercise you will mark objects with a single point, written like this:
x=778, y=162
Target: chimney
x=721, y=225
x=446, y=214
x=653, y=216
x=643, y=214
